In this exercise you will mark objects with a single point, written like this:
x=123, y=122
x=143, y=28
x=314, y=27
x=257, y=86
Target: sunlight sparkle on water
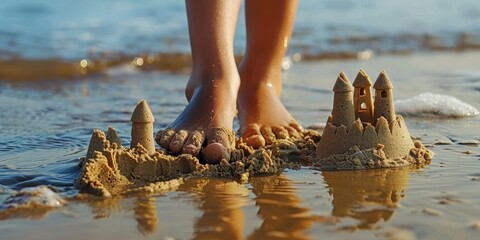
x=138, y=61
x=84, y=63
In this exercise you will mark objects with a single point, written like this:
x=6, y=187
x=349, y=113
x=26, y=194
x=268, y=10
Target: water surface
x=46, y=127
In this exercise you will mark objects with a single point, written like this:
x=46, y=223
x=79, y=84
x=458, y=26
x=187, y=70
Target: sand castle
x=357, y=121
x=109, y=168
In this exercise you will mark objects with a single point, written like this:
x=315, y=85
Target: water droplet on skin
x=286, y=63
x=269, y=85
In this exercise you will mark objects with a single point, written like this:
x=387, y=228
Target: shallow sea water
x=46, y=121
x=46, y=127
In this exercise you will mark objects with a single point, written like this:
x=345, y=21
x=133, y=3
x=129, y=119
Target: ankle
x=225, y=78
x=260, y=80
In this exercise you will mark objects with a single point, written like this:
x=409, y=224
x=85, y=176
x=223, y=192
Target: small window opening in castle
x=362, y=92
x=363, y=106
x=384, y=94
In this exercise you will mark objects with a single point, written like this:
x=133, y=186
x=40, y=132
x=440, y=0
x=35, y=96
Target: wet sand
x=47, y=132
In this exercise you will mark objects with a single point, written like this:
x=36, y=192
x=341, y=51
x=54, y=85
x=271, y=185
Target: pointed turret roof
x=342, y=84
x=383, y=82
x=362, y=79
x=142, y=113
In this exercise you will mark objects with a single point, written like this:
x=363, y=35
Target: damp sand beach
x=46, y=127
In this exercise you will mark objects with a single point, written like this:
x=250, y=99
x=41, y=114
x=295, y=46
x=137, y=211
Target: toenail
x=215, y=152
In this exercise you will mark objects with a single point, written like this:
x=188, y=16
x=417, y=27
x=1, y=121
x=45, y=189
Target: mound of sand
x=355, y=159
x=111, y=169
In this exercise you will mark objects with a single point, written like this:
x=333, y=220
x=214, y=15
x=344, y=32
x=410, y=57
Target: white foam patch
x=430, y=104
x=34, y=196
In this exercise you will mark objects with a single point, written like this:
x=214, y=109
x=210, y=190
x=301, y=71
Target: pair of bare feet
x=216, y=88
x=205, y=125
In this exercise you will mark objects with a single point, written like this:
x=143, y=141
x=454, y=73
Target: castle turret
x=383, y=105
x=362, y=97
x=142, y=127
x=343, y=111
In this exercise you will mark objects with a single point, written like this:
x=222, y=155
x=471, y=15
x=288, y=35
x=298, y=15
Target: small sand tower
x=142, y=127
x=343, y=111
x=363, y=97
x=383, y=99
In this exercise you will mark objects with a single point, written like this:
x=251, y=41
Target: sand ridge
x=356, y=159
x=111, y=169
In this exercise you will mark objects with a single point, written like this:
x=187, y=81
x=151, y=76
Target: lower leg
x=213, y=86
x=263, y=118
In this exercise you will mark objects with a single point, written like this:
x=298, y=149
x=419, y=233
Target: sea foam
x=41, y=196
x=431, y=104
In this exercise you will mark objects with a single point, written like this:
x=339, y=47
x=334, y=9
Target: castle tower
x=142, y=127
x=362, y=97
x=383, y=105
x=343, y=112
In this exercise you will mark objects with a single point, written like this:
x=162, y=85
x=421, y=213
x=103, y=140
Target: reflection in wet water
x=145, y=213
x=367, y=196
x=102, y=209
x=221, y=206
x=144, y=210
x=280, y=208
x=220, y=202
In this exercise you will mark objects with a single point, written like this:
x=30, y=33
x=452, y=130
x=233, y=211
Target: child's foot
x=263, y=118
x=206, y=121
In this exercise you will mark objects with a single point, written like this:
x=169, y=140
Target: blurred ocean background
x=68, y=29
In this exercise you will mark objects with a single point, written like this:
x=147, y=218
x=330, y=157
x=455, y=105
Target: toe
x=296, y=126
x=220, y=143
x=292, y=132
x=252, y=136
x=164, y=137
x=178, y=140
x=280, y=132
x=268, y=134
x=215, y=152
x=193, y=144
x=221, y=135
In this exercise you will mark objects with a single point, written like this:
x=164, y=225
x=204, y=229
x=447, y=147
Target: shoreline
x=13, y=69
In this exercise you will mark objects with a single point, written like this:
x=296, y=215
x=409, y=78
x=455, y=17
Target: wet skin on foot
x=206, y=120
x=263, y=118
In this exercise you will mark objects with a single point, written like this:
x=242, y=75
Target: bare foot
x=263, y=118
x=205, y=126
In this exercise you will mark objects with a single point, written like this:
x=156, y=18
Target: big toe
x=220, y=143
x=252, y=136
x=215, y=152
